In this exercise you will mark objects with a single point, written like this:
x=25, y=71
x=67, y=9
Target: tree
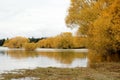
x=82, y=13
x=64, y=40
x=79, y=42
x=104, y=34
x=46, y=43
x=30, y=46
x=100, y=21
x=16, y=42
x=2, y=42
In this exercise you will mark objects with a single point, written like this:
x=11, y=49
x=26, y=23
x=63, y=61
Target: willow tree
x=46, y=43
x=82, y=13
x=100, y=21
x=30, y=46
x=16, y=42
x=64, y=40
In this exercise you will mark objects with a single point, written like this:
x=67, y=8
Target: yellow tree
x=105, y=33
x=100, y=21
x=82, y=13
x=79, y=42
x=46, y=43
x=64, y=40
x=30, y=46
x=41, y=43
x=16, y=42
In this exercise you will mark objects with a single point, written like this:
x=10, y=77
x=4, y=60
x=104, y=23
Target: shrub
x=30, y=46
x=16, y=42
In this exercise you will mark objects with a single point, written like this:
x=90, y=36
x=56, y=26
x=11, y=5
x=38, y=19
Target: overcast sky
x=37, y=18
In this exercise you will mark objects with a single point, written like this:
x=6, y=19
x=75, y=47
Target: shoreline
x=48, y=49
x=60, y=50
x=100, y=71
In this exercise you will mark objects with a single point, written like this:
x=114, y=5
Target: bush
x=16, y=42
x=30, y=46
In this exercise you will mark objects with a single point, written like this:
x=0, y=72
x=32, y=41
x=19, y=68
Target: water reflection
x=94, y=58
x=62, y=57
x=19, y=59
x=21, y=54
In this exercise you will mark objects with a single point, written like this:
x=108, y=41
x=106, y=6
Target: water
x=11, y=59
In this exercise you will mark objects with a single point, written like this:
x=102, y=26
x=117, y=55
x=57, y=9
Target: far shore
x=60, y=50
x=48, y=49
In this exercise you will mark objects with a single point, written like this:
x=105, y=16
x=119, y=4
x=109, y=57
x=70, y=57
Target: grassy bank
x=103, y=71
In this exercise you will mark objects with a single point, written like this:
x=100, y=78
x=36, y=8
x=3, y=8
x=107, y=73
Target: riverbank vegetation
x=16, y=42
x=63, y=41
x=2, y=41
x=99, y=20
x=30, y=46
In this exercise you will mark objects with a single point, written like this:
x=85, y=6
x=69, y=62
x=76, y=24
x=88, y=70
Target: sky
x=33, y=18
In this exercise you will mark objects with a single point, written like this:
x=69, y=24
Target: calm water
x=11, y=59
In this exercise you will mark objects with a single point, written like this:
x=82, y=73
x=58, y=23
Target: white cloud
x=32, y=17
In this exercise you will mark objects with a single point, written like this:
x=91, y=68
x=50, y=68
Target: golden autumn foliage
x=100, y=21
x=105, y=31
x=46, y=43
x=16, y=42
x=30, y=46
x=79, y=42
x=60, y=41
x=64, y=40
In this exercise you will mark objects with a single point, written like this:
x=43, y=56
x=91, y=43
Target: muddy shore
x=101, y=71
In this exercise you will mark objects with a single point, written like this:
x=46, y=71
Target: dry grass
x=102, y=71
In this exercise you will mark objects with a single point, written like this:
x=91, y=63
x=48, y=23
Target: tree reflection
x=21, y=54
x=62, y=57
x=94, y=57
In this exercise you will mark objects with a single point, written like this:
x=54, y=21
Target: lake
x=11, y=59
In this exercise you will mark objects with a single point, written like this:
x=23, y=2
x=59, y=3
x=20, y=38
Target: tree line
x=64, y=41
x=35, y=40
x=2, y=41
